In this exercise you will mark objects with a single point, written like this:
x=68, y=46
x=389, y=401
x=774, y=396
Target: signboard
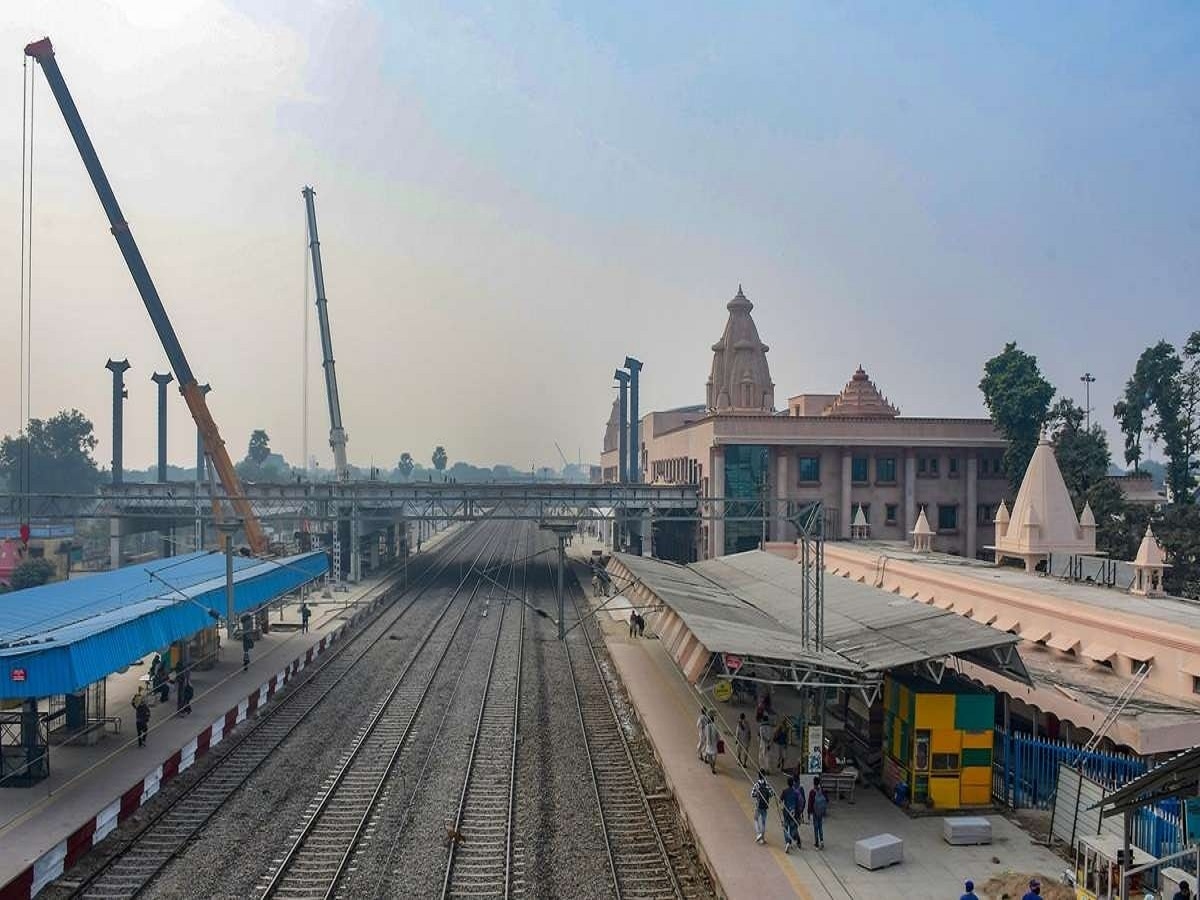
x=17, y=674
x=723, y=690
x=732, y=663
x=814, y=745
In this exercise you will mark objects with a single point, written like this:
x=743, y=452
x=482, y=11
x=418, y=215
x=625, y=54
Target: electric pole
x=1088, y=380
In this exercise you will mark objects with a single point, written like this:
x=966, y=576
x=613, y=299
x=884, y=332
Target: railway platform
x=719, y=814
x=44, y=830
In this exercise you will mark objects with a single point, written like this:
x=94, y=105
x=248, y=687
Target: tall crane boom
x=43, y=53
x=337, y=434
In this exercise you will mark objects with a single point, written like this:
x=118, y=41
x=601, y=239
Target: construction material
x=879, y=851
x=963, y=831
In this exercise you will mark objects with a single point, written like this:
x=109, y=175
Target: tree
x=1163, y=385
x=440, y=458
x=260, y=446
x=1018, y=398
x=53, y=456
x=406, y=464
x=31, y=573
x=1082, y=454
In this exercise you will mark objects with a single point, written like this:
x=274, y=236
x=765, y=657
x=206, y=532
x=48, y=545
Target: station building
x=852, y=450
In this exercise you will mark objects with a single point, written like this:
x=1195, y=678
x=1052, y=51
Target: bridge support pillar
x=355, y=547
x=647, y=535
x=116, y=531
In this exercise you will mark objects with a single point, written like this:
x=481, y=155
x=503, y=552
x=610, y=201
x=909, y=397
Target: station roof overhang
x=61, y=637
x=1177, y=777
x=748, y=605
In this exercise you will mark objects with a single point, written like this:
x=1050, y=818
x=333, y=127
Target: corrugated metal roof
x=750, y=603
x=69, y=634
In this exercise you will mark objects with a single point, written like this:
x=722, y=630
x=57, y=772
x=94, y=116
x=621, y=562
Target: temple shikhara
x=874, y=469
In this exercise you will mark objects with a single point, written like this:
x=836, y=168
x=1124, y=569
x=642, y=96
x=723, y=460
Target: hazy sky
x=513, y=197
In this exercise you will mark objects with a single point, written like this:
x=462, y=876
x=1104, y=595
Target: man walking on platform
x=818, y=805
x=793, y=810
x=305, y=612
x=143, y=721
x=764, y=744
x=761, y=794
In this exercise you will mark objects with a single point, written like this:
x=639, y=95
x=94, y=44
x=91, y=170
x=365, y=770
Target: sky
x=514, y=197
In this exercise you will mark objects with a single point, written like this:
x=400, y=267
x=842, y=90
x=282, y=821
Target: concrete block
x=879, y=851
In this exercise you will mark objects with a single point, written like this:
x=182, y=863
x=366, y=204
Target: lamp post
x=1088, y=380
x=228, y=529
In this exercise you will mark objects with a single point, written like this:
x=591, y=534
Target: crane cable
x=25, y=294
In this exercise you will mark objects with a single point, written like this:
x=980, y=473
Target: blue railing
x=1026, y=768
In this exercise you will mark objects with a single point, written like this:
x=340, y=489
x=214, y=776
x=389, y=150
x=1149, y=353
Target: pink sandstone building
x=852, y=450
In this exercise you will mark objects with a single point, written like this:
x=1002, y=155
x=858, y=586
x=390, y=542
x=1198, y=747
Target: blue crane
x=337, y=434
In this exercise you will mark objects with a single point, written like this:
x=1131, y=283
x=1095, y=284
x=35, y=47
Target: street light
x=1088, y=380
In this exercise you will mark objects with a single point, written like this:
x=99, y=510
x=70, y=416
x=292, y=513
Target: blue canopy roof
x=61, y=637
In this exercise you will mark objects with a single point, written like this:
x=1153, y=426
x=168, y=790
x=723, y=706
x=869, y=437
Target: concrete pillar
x=118, y=367
x=116, y=531
x=910, y=491
x=716, y=488
x=635, y=447
x=162, y=380
x=846, y=514
x=622, y=378
x=782, y=487
x=355, y=548
x=647, y=535
x=201, y=474
x=972, y=545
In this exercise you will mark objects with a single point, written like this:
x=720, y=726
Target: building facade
x=851, y=450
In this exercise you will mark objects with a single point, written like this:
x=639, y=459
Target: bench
x=879, y=851
x=840, y=784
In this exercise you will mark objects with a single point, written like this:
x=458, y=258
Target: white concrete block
x=878, y=851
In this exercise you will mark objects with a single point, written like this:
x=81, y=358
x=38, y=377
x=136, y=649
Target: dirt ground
x=1014, y=885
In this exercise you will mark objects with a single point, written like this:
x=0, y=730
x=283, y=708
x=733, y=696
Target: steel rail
x=484, y=821
x=159, y=841
x=287, y=864
x=628, y=862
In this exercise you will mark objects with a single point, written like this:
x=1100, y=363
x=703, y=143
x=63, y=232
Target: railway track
x=638, y=858
x=480, y=863
x=129, y=871
x=337, y=820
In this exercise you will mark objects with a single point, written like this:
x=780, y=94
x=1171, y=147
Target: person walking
x=186, y=693
x=711, y=737
x=792, y=803
x=764, y=744
x=761, y=794
x=305, y=613
x=818, y=806
x=1184, y=892
x=969, y=891
x=143, y=721
x=1035, y=890
x=641, y=625
x=743, y=740
x=700, y=723
x=780, y=739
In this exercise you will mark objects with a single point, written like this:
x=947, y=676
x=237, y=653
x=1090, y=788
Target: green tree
x=260, y=446
x=1082, y=454
x=406, y=464
x=1018, y=398
x=56, y=453
x=440, y=458
x=1163, y=386
x=31, y=573
x=1119, y=524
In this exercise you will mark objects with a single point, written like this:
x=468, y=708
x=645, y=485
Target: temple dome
x=741, y=379
x=860, y=397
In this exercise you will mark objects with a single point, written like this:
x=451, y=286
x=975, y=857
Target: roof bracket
x=870, y=693
x=936, y=669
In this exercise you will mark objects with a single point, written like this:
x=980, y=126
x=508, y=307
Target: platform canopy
x=748, y=605
x=61, y=637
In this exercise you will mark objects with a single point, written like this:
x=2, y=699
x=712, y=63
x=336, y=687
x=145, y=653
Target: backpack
x=820, y=803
